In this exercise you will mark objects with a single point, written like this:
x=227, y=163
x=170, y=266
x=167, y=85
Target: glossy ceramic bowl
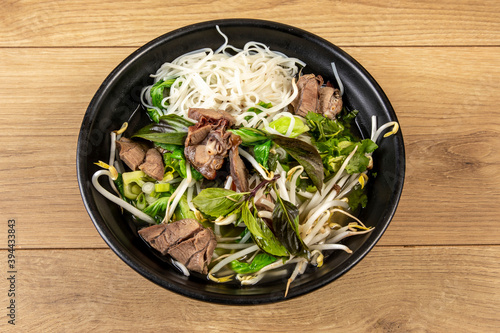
x=118, y=97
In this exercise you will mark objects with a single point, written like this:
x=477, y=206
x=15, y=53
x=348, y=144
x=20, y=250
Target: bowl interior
x=118, y=97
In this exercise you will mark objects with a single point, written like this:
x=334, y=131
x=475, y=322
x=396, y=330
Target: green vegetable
x=163, y=187
x=335, y=142
x=261, y=152
x=182, y=211
x=357, y=197
x=141, y=202
x=335, y=151
x=322, y=128
x=281, y=125
x=256, y=110
x=346, y=117
x=250, y=136
x=301, y=151
x=286, y=226
x=157, y=209
x=159, y=90
x=261, y=234
x=260, y=261
x=171, y=129
x=174, y=158
x=132, y=184
x=306, y=155
x=154, y=114
x=217, y=201
x=119, y=184
x=272, y=161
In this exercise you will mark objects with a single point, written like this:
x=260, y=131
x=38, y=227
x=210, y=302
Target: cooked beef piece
x=208, y=155
x=131, y=152
x=162, y=236
x=330, y=102
x=237, y=166
x=185, y=240
x=212, y=115
x=307, y=98
x=195, y=252
x=312, y=97
x=153, y=164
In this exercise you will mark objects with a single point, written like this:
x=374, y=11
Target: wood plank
x=449, y=117
x=429, y=289
x=368, y=22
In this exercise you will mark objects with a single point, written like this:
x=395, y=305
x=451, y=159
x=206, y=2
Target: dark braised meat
x=212, y=116
x=186, y=241
x=207, y=153
x=208, y=143
x=237, y=166
x=153, y=164
x=131, y=152
x=313, y=97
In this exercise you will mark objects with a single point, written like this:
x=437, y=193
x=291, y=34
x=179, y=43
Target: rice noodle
x=230, y=79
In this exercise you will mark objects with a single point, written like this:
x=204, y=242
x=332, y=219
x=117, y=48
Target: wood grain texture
x=421, y=289
x=446, y=100
x=367, y=22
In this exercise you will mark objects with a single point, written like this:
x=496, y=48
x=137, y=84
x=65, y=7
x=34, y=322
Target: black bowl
x=118, y=97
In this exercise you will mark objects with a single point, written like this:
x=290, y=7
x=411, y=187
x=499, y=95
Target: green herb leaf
x=260, y=261
x=322, y=128
x=182, y=211
x=218, y=201
x=257, y=110
x=154, y=114
x=261, y=234
x=261, y=152
x=357, y=197
x=281, y=125
x=119, y=184
x=306, y=155
x=286, y=226
x=157, y=209
x=159, y=91
x=171, y=129
x=250, y=136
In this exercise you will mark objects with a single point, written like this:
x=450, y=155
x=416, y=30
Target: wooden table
x=436, y=269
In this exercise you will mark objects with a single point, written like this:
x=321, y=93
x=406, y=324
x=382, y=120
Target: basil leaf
x=306, y=155
x=260, y=261
x=286, y=226
x=217, y=201
x=171, y=129
x=261, y=234
x=261, y=152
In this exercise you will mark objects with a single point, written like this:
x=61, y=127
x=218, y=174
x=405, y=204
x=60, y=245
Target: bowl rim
x=121, y=250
